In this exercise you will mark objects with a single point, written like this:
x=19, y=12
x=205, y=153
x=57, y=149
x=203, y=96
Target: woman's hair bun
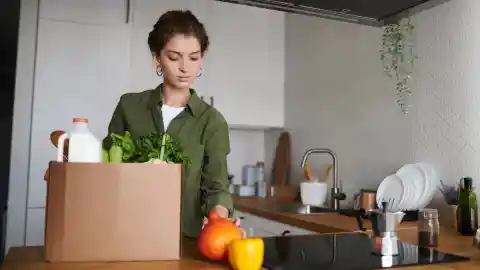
x=176, y=22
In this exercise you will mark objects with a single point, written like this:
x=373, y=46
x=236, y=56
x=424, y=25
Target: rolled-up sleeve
x=116, y=125
x=215, y=170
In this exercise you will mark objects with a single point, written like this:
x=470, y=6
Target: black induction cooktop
x=352, y=251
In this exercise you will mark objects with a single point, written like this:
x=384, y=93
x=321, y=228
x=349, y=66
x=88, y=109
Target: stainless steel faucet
x=336, y=196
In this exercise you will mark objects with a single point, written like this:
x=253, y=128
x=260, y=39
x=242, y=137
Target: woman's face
x=180, y=61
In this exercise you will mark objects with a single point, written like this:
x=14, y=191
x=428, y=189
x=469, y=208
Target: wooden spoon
x=308, y=174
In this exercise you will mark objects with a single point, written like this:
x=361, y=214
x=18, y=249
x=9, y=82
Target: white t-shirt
x=169, y=113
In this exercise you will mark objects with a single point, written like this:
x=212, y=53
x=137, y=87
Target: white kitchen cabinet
x=142, y=74
x=35, y=227
x=81, y=71
x=248, y=62
x=99, y=12
x=243, y=68
x=269, y=227
x=145, y=13
x=258, y=232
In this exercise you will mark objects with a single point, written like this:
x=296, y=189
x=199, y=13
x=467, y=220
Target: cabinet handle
x=127, y=17
x=211, y=101
x=285, y=232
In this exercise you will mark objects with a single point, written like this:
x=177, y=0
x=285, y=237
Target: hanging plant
x=398, y=58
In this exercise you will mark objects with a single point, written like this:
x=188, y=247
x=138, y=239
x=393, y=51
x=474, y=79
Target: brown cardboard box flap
x=113, y=212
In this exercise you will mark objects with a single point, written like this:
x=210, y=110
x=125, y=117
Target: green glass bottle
x=467, y=212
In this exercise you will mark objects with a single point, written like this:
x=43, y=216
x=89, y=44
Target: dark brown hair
x=175, y=22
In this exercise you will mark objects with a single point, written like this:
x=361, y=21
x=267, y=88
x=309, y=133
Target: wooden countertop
x=449, y=241
x=31, y=258
x=322, y=223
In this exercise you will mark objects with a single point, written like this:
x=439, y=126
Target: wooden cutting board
x=282, y=160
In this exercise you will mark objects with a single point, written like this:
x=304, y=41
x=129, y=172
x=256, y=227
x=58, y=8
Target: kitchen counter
x=30, y=258
x=321, y=223
x=449, y=241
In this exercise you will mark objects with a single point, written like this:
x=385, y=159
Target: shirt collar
x=193, y=105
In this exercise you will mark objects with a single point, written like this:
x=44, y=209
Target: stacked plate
x=412, y=187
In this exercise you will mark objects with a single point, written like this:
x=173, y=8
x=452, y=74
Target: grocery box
x=113, y=212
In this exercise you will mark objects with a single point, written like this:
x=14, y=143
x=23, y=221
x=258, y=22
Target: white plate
x=412, y=177
x=408, y=194
x=431, y=183
x=390, y=190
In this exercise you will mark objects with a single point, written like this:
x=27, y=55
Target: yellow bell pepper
x=246, y=254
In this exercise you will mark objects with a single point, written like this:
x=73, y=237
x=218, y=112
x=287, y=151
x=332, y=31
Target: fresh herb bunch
x=451, y=193
x=149, y=148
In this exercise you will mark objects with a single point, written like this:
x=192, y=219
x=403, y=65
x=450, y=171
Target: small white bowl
x=313, y=193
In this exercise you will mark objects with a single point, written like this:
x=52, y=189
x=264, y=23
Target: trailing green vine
x=398, y=58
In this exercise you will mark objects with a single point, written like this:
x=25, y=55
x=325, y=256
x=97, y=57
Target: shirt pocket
x=193, y=171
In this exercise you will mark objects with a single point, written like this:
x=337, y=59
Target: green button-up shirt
x=203, y=133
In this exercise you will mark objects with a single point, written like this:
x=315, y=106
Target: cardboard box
x=113, y=212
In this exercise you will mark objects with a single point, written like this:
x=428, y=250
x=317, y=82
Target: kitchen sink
x=302, y=209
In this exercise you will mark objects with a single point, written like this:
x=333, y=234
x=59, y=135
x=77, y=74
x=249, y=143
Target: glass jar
x=428, y=228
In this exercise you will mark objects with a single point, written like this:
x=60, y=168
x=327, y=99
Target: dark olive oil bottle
x=467, y=215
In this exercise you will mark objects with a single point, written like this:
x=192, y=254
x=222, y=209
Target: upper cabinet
x=145, y=13
x=243, y=69
x=98, y=12
x=248, y=61
x=81, y=71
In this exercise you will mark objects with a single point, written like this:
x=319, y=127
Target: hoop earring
x=159, y=71
x=200, y=73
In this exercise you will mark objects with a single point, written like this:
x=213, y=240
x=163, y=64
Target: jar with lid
x=428, y=228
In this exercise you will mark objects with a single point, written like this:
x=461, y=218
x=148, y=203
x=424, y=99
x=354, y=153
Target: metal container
x=249, y=175
x=244, y=191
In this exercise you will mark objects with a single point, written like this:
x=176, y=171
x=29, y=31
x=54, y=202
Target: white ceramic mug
x=313, y=193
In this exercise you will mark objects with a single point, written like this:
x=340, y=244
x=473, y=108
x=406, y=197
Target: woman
x=178, y=43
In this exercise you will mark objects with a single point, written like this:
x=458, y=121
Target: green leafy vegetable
x=116, y=154
x=126, y=143
x=152, y=148
x=105, y=156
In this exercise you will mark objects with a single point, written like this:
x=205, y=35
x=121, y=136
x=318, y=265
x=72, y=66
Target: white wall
x=338, y=97
x=247, y=147
x=445, y=121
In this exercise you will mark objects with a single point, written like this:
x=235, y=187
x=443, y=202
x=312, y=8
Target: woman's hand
x=223, y=213
x=235, y=221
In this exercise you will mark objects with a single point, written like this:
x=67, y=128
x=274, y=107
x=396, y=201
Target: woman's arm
x=117, y=124
x=215, y=171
